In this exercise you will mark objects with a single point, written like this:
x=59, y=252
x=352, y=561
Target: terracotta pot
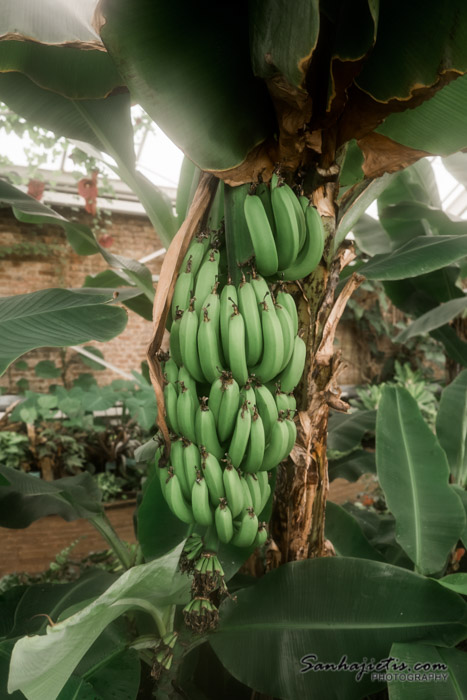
x=32, y=549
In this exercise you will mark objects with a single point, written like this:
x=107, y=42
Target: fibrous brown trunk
x=297, y=525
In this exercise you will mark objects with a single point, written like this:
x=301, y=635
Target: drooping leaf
x=449, y=666
x=346, y=430
x=433, y=319
x=417, y=257
x=419, y=128
x=414, y=475
x=462, y=493
x=56, y=46
x=352, y=465
x=27, y=498
x=41, y=665
x=451, y=426
x=330, y=608
x=198, y=57
x=55, y=318
x=346, y=535
x=370, y=236
x=356, y=202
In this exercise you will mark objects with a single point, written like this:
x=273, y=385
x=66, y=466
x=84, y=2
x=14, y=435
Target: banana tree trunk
x=297, y=525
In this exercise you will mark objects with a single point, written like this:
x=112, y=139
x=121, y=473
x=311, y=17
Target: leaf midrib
x=252, y=626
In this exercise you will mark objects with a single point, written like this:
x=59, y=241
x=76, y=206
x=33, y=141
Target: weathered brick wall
x=41, y=258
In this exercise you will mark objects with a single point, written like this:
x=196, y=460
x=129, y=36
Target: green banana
x=255, y=491
x=196, y=252
x=240, y=436
x=170, y=370
x=273, y=344
x=312, y=249
x=262, y=237
x=287, y=301
x=213, y=304
x=254, y=453
x=282, y=401
x=233, y=489
x=300, y=215
x=208, y=347
x=292, y=429
x=223, y=521
x=176, y=502
x=276, y=450
x=287, y=233
x=228, y=298
x=186, y=409
x=206, y=279
x=267, y=408
x=265, y=492
x=205, y=429
x=261, y=536
x=247, y=395
x=189, y=345
x=215, y=396
x=237, y=347
x=212, y=472
x=263, y=191
x=247, y=530
x=253, y=333
x=191, y=462
x=185, y=377
x=183, y=290
x=291, y=375
x=174, y=342
x=200, y=502
x=178, y=464
x=163, y=474
x=247, y=497
x=260, y=288
x=287, y=333
x=228, y=408
x=170, y=400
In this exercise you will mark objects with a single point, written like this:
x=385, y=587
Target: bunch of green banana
x=286, y=232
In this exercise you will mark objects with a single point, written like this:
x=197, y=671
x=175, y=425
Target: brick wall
x=52, y=263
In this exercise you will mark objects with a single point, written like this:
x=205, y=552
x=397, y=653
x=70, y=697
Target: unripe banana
x=224, y=521
x=183, y=290
x=254, y=453
x=267, y=409
x=191, y=463
x=262, y=237
x=312, y=250
x=276, y=450
x=186, y=409
x=261, y=536
x=292, y=429
x=291, y=375
x=287, y=233
x=287, y=333
x=228, y=298
x=178, y=464
x=200, y=502
x=263, y=482
x=261, y=289
x=177, y=504
x=247, y=395
x=255, y=491
x=185, y=377
x=282, y=401
x=228, y=408
x=206, y=279
x=287, y=301
x=196, y=252
x=215, y=396
x=273, y=346
x=240, y=436
x=237, y=347
x=265, y=494
x=247, y=497
x=212, y=472
x=263, y=191
x=213, y=304
x=208, y=347
x=233, y=489
x=247, y=530
x=189, y=345
x=174, y=342
x=300, y=215
x=170, y=400
x=163, y=474
x=253, y=332
x=205, y=428
x=170, y=371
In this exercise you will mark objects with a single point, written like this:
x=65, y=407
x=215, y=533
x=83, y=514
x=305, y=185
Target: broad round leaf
x=330, y=607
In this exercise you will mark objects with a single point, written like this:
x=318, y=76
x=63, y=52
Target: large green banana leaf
x=451, y=426
x=414, y=475
x=329, y=608
x=443, y=673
